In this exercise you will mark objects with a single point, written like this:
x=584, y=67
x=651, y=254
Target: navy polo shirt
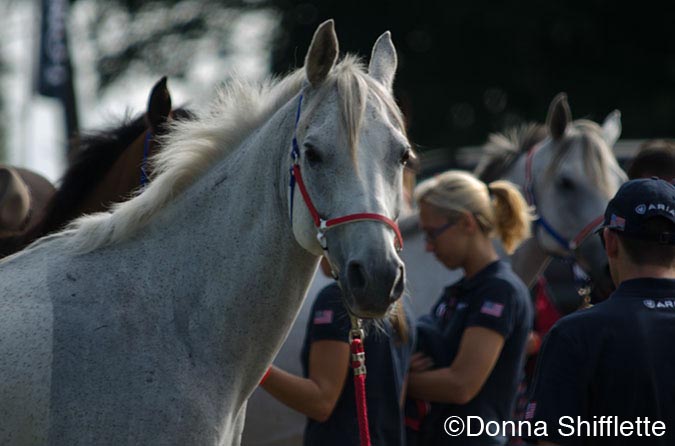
x=387, y=362
x=494, y=298
x=614, y=359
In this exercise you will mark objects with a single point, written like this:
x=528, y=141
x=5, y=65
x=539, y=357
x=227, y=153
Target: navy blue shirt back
x=614, y=359
x=494, y=298
x=387, y=361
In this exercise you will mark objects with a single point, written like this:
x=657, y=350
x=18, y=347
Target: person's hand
x=533, y=343
x=419, y=362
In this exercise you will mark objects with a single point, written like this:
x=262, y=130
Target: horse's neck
x=516, y=174
x=530, y=260
x=242, y=274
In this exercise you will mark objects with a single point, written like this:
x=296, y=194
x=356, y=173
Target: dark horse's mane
x=96, y=152
x=503, y=149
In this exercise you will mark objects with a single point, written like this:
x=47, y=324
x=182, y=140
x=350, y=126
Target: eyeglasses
x=431, y=234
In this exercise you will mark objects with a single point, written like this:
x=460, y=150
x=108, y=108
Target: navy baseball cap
x=638, y=201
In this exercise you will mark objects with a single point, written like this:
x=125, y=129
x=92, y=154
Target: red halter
x=324, y=225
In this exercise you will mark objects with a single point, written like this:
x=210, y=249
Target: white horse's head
x=574, y=174
x=352, y=148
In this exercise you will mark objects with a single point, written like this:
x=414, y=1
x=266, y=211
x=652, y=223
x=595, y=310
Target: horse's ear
x=322, y=53
x=383, y=61
x=159, y=105
x=559, y=116
x=611, y=128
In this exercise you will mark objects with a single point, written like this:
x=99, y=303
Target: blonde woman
x=472, y=345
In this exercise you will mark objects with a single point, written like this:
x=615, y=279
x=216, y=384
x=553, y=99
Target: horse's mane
x=191, y=147
x=503, y=149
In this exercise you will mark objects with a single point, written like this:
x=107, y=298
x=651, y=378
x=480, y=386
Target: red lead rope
x=359, y=368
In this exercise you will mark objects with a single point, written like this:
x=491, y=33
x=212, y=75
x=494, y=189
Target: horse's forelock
x=355, y=87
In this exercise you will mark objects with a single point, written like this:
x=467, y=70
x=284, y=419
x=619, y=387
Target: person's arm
x=478, y=352
x=317, y=395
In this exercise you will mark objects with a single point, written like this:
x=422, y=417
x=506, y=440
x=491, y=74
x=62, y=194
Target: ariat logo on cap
x=661, y=207
x=641, y=209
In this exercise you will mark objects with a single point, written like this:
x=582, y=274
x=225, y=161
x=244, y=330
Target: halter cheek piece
x=321, y=224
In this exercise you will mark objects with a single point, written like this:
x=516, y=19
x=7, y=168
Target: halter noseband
x=568, y=245
x=321, y=224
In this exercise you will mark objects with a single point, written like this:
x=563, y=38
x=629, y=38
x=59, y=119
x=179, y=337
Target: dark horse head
x=108, y=166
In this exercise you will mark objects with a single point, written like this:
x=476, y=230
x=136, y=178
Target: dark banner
x=54, y=69
x=54, y=73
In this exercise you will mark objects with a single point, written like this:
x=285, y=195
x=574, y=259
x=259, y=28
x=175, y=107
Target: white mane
x=193, y=145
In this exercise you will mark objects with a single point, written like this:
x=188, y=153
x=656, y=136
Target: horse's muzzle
x=369, y=288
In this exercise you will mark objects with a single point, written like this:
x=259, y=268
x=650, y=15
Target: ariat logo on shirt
x=652, y=304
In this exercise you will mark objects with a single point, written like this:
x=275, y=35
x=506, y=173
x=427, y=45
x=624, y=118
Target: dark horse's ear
x=559, y=116
x=159, y=106
x=322, y=53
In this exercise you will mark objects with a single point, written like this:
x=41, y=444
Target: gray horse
x=573, y=174
x=153, y=324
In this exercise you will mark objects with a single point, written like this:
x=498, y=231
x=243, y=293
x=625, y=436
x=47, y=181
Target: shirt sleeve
x=329, y=318
x=559, y=386
x=495, y=308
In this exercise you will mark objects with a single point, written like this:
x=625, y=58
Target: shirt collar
x=646, y=287
x=464, y=284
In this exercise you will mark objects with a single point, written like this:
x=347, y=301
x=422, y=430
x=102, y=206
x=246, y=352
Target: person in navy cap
x=605, y=374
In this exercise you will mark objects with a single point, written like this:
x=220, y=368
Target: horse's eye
x=406, y=157
x=312, y=155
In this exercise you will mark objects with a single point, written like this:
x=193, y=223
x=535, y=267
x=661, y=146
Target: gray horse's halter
x=568, y=245
x=321, y=224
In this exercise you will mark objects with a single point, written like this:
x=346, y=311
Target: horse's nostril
x=356, y=276
x=399, y=285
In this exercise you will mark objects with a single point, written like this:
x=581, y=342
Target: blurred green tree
x=470, y=68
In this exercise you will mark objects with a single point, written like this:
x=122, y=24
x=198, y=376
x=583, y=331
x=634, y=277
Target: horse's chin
x=369, y=312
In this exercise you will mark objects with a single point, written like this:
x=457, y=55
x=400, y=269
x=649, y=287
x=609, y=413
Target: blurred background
x=465, y=68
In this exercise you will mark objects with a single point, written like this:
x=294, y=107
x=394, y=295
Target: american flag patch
x=529, y=412
x=617, y=222
x=323, y=317
x=492, y=308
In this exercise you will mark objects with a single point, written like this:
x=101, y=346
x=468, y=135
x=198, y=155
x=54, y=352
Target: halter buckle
x=321, y=234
